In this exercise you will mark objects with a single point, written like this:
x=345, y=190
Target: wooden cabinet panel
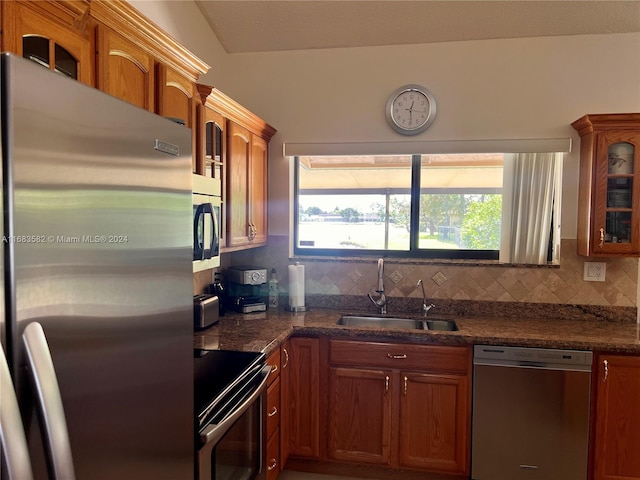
x=65, y=34
x=239, y=151
x=284, y=402
x=273, y=465
x=304, y=393
x=273, y=407
x=402, y=356
x=125, y=70
x=617, y=423
x=258, y=190
x=434, y=417
x=360, y=415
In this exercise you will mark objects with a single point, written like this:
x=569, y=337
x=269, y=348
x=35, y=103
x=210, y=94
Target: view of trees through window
x=399, y=203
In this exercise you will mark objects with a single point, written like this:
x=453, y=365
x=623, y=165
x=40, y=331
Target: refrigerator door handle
x=14, y=442
x=45, y=384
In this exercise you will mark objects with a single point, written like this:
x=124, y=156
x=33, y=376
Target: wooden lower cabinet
x=360, y=415
x=434, y=414
x=616, y=440
x=400, y=405
x=303, y=408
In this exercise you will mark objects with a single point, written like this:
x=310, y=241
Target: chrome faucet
x=381, y=302
x=425, y=307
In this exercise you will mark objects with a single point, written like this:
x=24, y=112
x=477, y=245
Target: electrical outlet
x=594, y=271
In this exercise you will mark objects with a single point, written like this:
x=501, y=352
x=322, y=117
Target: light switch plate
x=594, y=271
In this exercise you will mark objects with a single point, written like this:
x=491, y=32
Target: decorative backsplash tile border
x=561, y=285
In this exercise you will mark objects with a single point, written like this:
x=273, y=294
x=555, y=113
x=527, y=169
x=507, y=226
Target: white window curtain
x=528, y=208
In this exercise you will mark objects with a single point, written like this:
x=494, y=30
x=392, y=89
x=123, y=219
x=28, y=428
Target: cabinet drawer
x=401, y=356
x=273, y=407
x=274, y=362
x=273, y=455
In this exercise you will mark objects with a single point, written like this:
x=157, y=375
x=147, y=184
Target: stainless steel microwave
x=207, y=202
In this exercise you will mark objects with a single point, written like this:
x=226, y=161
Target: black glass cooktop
x=218, y=374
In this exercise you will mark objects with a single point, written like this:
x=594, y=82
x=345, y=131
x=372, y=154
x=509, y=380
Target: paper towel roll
x=296, y=286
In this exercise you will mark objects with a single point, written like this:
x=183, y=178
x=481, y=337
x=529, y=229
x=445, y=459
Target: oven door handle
x=213, y=433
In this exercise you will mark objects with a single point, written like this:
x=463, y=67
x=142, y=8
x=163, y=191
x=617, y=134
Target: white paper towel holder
x=302, y=308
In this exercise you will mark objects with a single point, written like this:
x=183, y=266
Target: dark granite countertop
x=265, y=331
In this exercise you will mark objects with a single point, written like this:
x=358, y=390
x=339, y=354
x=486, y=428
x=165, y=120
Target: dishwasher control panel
x=525, y=356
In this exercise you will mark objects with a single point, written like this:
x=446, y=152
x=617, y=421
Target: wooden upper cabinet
x=258, y=199
x=241, y=162
x=175, y=96
x=125, y=70
x=238, y=215
x=58, y=36
x=609, y=194
x=617, y=422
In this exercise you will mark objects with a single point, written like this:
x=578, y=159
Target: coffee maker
x=244, y=288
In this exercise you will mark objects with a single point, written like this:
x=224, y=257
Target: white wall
x=492, y=89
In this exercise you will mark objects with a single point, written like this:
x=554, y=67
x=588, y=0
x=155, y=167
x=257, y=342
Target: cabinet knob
x=273, y=464
x=272, y=412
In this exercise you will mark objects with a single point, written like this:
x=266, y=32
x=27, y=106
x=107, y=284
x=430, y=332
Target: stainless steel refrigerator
x=97, y=249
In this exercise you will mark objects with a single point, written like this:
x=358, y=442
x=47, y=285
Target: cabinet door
x=239, y=151
x=125, y=70
x=360, y=415
x=304, y=403
x=258, y=190
x=434, y=422
x=616, y=216
x=284, y=402
x=32, y=34
x=176, y=99
x=617, y=428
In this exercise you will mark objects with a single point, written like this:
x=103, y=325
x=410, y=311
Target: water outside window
x=365, y=202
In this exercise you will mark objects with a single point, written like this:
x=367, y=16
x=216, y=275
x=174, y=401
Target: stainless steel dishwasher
x=530, y=413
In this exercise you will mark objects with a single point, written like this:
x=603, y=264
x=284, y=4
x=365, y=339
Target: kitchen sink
x=397, y=323
x=446, y=325
x=384, y=322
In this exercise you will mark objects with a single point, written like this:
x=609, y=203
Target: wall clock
x=411, y=109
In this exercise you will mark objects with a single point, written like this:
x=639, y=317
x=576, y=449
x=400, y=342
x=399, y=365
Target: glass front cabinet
x=609, y=191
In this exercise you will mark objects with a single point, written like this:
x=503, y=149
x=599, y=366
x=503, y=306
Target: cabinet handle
x=273, y=412
x=273, y=464
x=606, y=370
x=386, y=383
x=396, y=356
x=601, y=237
x=286, y=358
x=274, y=369
x=406, y=385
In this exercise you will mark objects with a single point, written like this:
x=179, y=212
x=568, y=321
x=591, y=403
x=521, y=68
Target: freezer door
x=101, y=234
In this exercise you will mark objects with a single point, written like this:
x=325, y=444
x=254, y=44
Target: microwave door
x=198, y=232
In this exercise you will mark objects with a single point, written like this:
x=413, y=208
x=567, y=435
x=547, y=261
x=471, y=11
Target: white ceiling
x=273, y=25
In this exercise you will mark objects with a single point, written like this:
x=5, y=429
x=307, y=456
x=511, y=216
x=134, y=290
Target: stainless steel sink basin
x=397, y=323
x=446, y=325
x=384, y=322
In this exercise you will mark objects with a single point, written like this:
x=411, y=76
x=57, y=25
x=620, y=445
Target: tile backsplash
x=553, y=285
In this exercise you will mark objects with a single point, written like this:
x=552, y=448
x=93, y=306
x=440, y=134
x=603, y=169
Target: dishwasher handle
x=528, y=364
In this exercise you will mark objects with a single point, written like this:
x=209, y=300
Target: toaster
x=206, y=311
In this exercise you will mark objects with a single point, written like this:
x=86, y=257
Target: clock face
x=411, y=109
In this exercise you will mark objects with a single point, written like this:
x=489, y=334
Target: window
x=449, y=206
